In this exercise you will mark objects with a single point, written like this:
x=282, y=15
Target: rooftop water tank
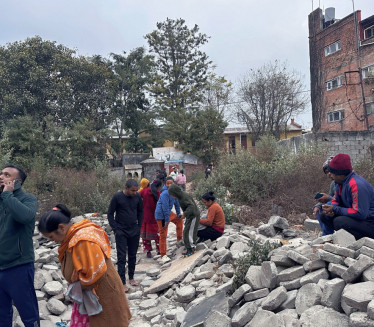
x=329, y=14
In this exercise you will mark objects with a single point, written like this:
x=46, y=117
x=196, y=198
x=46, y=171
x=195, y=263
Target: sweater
x=186, y=202
x=17, y=224
x=165, y=204
x=215, y=218
x=354, y=197
x=128, y=214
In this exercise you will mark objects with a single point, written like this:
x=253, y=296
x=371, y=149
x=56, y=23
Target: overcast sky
x=244, y=33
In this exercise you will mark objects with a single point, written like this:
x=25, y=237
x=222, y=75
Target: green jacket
x=17, y=224
x=186, y=202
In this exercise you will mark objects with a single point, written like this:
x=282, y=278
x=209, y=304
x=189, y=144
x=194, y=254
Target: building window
x=369, y=108
x=368, y=71
x=334, y=83
x=369, y=32
x=335, y=116
x=332, y=48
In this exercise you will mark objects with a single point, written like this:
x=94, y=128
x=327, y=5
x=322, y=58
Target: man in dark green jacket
x=192, y=215
x=17, y=224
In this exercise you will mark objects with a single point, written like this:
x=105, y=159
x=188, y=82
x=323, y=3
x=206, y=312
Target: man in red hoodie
x=352, y=207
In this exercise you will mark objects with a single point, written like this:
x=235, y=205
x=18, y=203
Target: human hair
x=325, y=166
x=130, y=183
x=209, y=196
x=49, y=222
x=21, y=174
x=154, y=187
x=169, y=179
x=182, y=171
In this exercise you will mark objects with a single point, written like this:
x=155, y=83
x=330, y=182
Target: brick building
x=342, y=71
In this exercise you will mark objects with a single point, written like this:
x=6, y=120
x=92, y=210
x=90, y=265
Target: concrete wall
x=117, y=172
x=357, y=144
x=134, y=158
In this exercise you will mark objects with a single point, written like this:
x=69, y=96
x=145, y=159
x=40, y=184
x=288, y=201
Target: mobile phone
x=318, y=195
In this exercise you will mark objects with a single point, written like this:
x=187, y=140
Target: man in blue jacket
x=164, y=215
x=352, y=207
x=17, y=224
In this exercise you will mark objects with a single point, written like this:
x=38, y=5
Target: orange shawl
x=89, y=246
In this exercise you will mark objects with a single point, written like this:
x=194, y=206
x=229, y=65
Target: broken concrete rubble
x=312, y=281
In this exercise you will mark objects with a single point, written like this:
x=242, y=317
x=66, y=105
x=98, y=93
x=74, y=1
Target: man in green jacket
x=192, y=215
x=17, y=224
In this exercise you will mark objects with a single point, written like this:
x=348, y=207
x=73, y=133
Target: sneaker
x=165, y=259
x=189, y=252
x=149, y=254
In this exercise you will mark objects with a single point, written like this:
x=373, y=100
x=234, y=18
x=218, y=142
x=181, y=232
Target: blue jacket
x=354, y=198
x=165, y=204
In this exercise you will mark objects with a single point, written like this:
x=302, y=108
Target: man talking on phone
x=17, y=224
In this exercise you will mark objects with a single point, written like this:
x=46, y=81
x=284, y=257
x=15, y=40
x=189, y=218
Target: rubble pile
x=309, y=281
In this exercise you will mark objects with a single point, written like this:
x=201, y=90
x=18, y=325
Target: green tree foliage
x=268, y=97
x=182, y=67
x=132, y=113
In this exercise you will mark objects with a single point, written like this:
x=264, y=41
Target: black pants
x=17, y=285
x=130, y=245
x=358, y=228
x=208, y=233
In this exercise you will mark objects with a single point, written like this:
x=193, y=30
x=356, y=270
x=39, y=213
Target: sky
x=244, y=34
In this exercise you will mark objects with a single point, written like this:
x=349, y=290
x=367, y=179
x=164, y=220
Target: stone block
x=265, y=318
x=313, y=265
x=329, y=257
x=343, y=238
x=358, y=295
x=370, y=309
x=269, y=274
x=368, y=274
x=289, y=302
x=349, y=261
x=336, y=269
x=267, y=230
x=354, y=271
x=319, y=316
x=314, y=276
x=307, y=296
x=238, y=294
x=282, y=260
x=291, y=273
x=311, y=225
x=251, y=296
x=322, y=239
x=244, y=314
x=297, y=257
x=360, y=319
x=365, y=241
x=366, y=251
x=291, y=285
x=253, y=277
x=339, y=250
x=278, y=222
x=274, y=299
x=185, y=294
x=55, y=306
x=223, y=242
x=332, y=292
x=217, y=319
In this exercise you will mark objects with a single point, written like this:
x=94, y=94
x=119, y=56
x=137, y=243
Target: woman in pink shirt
x=181, y=180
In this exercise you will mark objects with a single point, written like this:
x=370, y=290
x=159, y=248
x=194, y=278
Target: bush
x=365, y=168
x=81, y=191
x=258, y=254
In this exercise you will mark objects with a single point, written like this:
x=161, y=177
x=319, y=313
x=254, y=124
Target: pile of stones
x=309, y=281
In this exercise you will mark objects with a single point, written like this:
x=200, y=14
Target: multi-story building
x=342, y=71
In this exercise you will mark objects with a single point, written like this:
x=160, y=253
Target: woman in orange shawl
x=84, y=254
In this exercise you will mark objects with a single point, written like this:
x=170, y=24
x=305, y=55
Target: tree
x=132, y=112
x=182, y=68
x=268, y=97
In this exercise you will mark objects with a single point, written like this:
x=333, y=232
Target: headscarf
x=143, y=184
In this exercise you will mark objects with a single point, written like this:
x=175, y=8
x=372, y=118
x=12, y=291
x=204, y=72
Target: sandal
x=126, y=289
x=133, y=282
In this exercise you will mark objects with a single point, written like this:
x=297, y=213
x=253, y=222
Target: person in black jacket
x=127, y=206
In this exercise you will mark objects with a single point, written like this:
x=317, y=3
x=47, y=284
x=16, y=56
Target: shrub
x=259, y=253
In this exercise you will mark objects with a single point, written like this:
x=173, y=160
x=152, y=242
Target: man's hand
x=315, y=211
x=9, y=186
x=327, y=210
x=180, y=216
x=324, y=198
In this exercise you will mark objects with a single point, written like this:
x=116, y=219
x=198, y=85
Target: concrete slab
x=175, y=273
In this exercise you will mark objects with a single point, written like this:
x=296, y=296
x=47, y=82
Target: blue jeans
x=326, y=228
x=17, y=285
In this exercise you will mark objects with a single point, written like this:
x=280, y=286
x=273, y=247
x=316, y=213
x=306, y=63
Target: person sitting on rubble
x=212, y=226
x=324, y=198
x=352, y=207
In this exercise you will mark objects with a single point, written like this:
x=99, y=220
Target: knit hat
x=340, y=164
x=325, y=165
